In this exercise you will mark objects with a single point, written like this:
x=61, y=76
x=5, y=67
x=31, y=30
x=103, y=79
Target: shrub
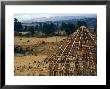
x=43, y=42
x=16, y=33
x=39, y=34
x=60, y=33
x=27, y=40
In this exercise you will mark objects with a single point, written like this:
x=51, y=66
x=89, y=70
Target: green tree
x=31, y=29
x=81, y=23
x=17, y=25
x=70, y=28
x=95, y=28
x=25, y=28
x=48, y=28
x=40, y=27
x=52, y=29
x=36, y=28
x=63, y=26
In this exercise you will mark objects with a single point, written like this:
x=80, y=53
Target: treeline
x=46, y=28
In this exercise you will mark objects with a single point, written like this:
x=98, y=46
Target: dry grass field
x=46, y=56
x=33, y=64
x=29, y=65
x=35, y=40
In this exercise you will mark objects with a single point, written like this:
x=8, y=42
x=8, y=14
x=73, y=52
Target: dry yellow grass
x=28, y=59
x=35, y=40
x=29, y=65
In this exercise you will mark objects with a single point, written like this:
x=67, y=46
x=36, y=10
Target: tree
x=63, y=26
x=45, y=28
x=95, y=28
x=31, y=29
x=17, y=25
x=36, y=28
x=52, y=28
x=70, y=28
x=48, y=28
x=40, y=27
x=81, y=23
x=25, y=28
x=15, y=20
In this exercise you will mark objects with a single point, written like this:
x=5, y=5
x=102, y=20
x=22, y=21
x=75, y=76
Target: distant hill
x=56, y=18
x=91, y=21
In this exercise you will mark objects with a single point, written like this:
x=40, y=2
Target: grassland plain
x=32, y=64
x=35, y=40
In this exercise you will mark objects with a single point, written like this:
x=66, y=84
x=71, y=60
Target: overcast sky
x=28, y=16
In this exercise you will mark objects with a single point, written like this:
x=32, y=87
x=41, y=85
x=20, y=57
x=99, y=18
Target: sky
x=28, y=16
